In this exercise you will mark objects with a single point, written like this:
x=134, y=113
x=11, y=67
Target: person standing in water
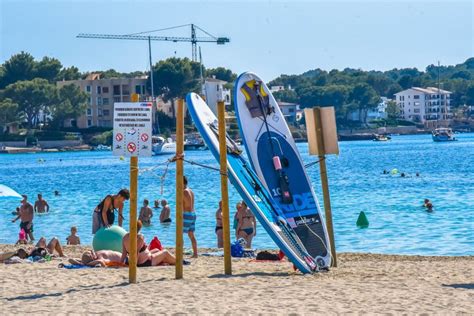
x=146, y=213
x=104, y=213
x=219, y=227
x=247, y=225
x=189, y=216
x=26, y=215
x=41, y=206
x=165, y=212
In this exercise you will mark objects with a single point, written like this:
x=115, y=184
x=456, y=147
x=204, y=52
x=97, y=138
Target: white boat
x=101, y=147
x=161, y=146
x=443, y=134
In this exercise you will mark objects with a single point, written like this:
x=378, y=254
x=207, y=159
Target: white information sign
x=132, y=129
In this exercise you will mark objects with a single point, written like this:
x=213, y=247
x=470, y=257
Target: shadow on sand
x=81, y=288
x=249, y=274
x=467, y=286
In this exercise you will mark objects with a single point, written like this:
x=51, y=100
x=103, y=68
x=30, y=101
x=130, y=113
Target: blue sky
x=267, y=37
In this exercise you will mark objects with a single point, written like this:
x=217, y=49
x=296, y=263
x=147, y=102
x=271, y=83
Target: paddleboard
x=249, y=186
x=275, y=159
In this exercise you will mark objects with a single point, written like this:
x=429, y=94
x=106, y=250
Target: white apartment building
x=213, y=90
x=424, y=104
x=274, y=89
x=103, y=93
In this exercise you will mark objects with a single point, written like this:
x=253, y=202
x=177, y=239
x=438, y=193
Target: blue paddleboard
x=250, y=187
x=275, y=159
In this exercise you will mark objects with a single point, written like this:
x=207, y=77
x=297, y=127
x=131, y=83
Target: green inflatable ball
x=108, y=239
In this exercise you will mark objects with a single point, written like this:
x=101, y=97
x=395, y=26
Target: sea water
x=393, y=204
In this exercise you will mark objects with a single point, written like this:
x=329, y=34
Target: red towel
x=155, y=244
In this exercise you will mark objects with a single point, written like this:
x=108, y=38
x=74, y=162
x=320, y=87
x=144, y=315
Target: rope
x=314, y=162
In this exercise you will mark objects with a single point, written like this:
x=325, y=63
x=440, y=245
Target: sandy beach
x=363, y=283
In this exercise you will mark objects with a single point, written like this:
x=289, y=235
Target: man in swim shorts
x=189, y=216
x=26, y=215
x=41, y=206
x=165, y=212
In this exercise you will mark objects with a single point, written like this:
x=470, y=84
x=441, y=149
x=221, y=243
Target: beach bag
x=265, y=255
x=236, y=249
x=155, y=244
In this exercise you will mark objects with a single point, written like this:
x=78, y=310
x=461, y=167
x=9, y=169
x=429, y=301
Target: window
x=89, y=112
x=105, y=101
x=99, y=112
x=89, y=123
x=99, y=89
x=416, y=97
x=105, y=89
x=88, y=89
x=138, y=89
x=290, y=110
x=99, y=100
x=125, y=99
x=125, y=89
x=143, y=89
x=116, y=89
x=117, y=99
x=106, y=112
x=416, y=110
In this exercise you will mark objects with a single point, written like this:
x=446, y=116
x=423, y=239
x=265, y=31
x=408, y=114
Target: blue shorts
x=189, y=222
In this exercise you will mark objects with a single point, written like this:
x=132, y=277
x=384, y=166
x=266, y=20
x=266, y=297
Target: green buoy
x=362, y=221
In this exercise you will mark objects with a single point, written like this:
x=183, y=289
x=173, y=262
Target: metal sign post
x=132, y=138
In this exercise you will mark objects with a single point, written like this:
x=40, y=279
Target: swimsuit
x=24, y=225
x=248, y=231
x=218, y=228
x=168, y=220
x=189, y=224
x=145, y=264
x=97, y=220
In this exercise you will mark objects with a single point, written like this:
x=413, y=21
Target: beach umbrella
x=6, y=192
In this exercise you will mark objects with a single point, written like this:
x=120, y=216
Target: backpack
x=265, y=255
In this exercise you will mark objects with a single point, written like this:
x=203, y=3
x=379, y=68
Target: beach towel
x=73, y=266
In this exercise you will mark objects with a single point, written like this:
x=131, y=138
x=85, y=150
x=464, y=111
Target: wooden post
x=132, y=262
x=224, y=189
x=325, y=185
x=179, y=189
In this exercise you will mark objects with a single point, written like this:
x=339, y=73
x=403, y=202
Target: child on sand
x=22, y=238
x=73, y=239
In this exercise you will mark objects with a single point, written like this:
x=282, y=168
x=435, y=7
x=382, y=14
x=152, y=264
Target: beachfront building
x=424, y=104
x=289, y=110
x=380, y=112
x=213, y=90
x=103, y=93
x=274, y=89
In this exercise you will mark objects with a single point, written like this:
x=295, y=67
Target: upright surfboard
x=275, y=159
x=250, y=188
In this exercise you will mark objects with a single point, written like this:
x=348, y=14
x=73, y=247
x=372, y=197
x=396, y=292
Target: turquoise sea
x=398, y=223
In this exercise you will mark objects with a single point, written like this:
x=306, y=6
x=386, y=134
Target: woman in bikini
x=145, y=257
x=247, y=225
x=219, y=228
x=104, y=213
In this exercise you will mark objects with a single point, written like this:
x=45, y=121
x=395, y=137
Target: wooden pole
x=132, y=262
x=325, y=185
x=179, y=189
x=224, y=189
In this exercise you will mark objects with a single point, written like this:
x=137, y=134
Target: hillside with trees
x=351, y=90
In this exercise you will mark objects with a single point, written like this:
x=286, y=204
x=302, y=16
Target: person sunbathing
x=101, y=258
x=146, y=257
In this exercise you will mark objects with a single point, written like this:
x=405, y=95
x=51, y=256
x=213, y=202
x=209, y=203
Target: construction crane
x=194, y=39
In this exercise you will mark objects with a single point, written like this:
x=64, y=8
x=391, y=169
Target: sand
x=363, y=283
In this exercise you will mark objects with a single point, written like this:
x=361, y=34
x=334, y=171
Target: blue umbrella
x=8, y=193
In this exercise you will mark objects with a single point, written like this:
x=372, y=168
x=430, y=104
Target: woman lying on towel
x=145, y=257
x=103, y=258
